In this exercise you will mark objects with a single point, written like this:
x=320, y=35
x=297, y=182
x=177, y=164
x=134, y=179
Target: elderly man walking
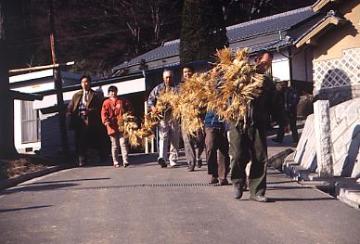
x=168, y=126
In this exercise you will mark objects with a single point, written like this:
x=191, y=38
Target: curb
x=4, y=184
x=344, y=189
x=276, y=161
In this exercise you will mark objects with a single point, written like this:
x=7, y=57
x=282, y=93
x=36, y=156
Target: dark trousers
x=82, y=140
x=217, y=152
x=291, y=119
x=245, y=145
x=86, y=137
x=194, y=146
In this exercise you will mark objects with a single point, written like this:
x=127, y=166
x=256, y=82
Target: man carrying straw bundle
x=193, y=144
x=248, y=139
x=168, y=126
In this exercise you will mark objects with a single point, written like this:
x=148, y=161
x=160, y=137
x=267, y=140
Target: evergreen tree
x=7, y=146
x=203, y=30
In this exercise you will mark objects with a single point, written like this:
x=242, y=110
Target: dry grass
x=22, y=164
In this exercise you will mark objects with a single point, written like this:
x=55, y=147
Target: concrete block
x=352, y=114
x=340, y=165
x=339, y=112
x=305, y=142
x=338, y=130
x=344, y=198
x=356, y=169
x=339, y=148
x=323, y=138
x=296, y=172
x=354, y=195
x=277, y=160
x=334, y=124
x=309, y=161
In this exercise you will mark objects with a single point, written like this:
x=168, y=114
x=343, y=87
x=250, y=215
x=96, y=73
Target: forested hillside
x=98, y=34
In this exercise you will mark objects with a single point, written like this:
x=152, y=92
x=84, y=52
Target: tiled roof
x=274, y=23
x=237, y=33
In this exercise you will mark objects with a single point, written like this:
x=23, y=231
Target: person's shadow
x=351, y=158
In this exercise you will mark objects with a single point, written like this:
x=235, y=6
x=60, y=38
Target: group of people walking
x=229, y=147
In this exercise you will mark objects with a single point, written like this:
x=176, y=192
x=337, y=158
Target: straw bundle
x=238, y=84
x=227, y=89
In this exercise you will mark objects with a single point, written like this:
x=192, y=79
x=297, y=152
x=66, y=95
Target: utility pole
x=58, y=81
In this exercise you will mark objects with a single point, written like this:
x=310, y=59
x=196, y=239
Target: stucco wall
x=336, y=63
x=332, y=44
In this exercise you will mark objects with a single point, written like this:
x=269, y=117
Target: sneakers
x=162, y=163
x=259, y=198
x=116, y=165
x=173, y=164
x=126, y=165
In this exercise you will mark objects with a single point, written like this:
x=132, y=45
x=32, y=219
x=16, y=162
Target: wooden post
x=38, y=68
x=146, y=139
x=57, y=80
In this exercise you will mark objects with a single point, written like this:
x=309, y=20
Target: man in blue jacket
x=217, y=149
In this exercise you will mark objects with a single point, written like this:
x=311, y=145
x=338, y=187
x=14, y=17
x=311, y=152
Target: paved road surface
x=147, y=204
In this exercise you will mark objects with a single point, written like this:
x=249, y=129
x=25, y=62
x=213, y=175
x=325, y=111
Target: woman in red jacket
x=112, y=110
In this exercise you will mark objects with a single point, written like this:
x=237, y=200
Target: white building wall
x=124, y=87
x=280, y=67
x=22, y=147
x=49, y=123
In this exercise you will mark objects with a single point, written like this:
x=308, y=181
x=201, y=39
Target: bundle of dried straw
x=227, y=89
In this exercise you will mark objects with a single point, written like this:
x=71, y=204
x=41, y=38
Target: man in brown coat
x=84, y=112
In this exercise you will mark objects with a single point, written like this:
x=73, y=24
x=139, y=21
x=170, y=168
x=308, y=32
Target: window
x=30, y=123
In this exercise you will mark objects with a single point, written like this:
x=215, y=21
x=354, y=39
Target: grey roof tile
x=237, y=33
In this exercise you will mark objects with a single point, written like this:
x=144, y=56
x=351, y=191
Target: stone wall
x=345, y=140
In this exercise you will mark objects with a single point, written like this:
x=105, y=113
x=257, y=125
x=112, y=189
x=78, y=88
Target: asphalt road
x=147, y=204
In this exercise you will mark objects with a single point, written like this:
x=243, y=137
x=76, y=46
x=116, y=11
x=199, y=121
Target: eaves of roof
x=319, y=4
x=320, y=27
x=98, y=82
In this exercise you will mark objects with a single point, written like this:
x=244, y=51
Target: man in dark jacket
x=84, y=112
x=248, y=141
x=289, y=100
